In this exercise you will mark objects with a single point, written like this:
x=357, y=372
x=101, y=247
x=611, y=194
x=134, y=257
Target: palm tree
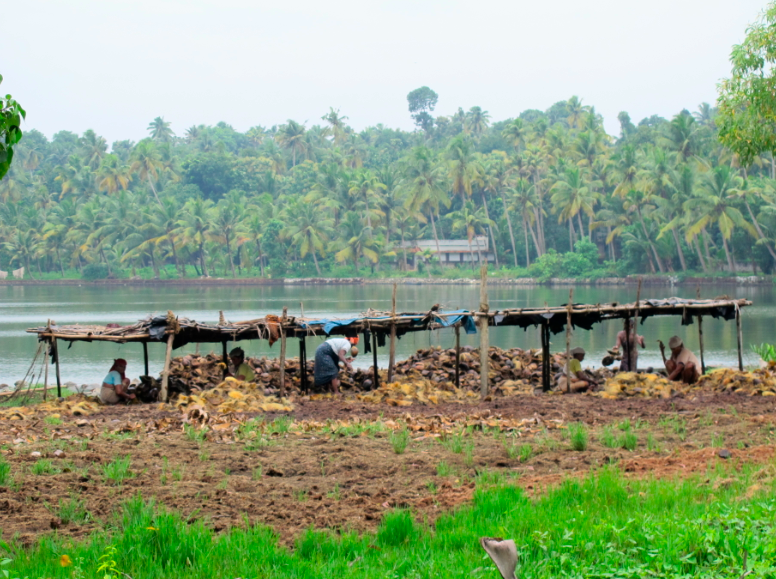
x=463, y=167
x=571, y=197
x=521, y=199
x=336, y=123
x=713, y=205
x=476, y=121
x=21, y=246
x=112, y=175
x=470, y=221
x=357, y=242
x=227, y=221
x=577, y=112
x=195, y=226
x=516, y=133
x=147, y=163
x=94, y=148
x=425, y=186
x=160, y=130
x=309, y=231
x=682, y=135
x=291, y=137
x=167, y=217
x=363, y=187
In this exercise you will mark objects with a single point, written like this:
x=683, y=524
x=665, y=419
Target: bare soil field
x=328, y=469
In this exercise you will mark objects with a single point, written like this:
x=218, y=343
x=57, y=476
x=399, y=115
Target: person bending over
x=329, y=356
x=115, y=384
x=683, y=366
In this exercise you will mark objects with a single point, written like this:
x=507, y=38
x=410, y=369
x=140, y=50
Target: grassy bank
x=602, y=526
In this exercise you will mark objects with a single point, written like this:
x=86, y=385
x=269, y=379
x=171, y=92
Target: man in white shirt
x=329, y=356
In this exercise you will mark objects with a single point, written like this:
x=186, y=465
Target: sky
x=114, y=65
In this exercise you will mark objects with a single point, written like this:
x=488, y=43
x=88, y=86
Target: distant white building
x=452, y=251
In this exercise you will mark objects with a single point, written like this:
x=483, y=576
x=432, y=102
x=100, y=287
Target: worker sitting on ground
x=329, y=357
x=683, y=366
x=242, y=371
x=581, y=380
x=115, y=385
x=629, y=345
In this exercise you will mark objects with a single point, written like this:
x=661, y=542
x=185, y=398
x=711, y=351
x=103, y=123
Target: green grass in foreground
x=603, y=526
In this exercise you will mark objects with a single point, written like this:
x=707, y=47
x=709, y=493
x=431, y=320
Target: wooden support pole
x=484, y=338
x=740, y=339
x=375, y=376
x=145, y=357
x=166, y=371
x=568, y=339
x=225, y=356
x=457, y=356
x=392, y=345
x=303, y=364
x=283, y=351
x=700, y=332
x=545, y=329
x=45, y=371
x=56, y=367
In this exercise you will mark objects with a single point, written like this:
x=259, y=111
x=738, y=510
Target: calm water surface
x=84, y=363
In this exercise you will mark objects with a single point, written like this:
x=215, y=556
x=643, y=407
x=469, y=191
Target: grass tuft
x=118, y=470
x=578, y=436
x=399, y=440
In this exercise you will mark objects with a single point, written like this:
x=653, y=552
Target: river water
x=23, y=307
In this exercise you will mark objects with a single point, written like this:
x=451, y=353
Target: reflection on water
x=83, y=363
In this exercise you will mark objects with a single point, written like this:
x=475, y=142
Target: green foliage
x=5, y=472
x=73, y=510
x=11, y=116
x=398, y=528
x=95, y=271
x=602, y=525
x=747, y=100
x=767, y=352
x=118, y=470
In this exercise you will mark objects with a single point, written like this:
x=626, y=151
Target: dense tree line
x=663, y=196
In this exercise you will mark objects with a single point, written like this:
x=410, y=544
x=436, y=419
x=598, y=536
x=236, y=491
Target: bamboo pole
x=700, y=333
x=225, y=357
x=303, y=364
x=392, y=346
x=45, y=372
x=568, y=339
x=740, y=339
x=484, y=338
x=56, y=367
x=545, y=331
x=375, y=374
x=457, y=356
x=145, y=357
x=166, y=371
x=283, y=351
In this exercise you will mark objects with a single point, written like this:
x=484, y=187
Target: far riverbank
x=667, y=281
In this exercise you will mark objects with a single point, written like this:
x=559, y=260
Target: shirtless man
x=630, y=359
x=683, y=366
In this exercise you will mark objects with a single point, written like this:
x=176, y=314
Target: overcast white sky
x=113, y=65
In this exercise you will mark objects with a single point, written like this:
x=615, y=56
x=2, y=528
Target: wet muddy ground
x=320, y=472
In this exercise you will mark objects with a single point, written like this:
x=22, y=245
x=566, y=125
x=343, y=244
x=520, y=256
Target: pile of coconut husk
x=639, y=385
x=511, y=372
x=760, y=382
x=405, y=393
x=75, y=405
x=232, y=396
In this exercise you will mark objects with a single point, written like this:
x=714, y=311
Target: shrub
x=94, y=271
